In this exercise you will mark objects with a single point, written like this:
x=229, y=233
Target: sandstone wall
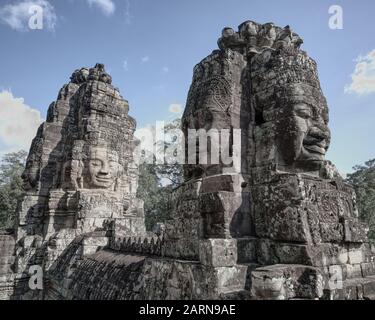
x=7, y=245
x=111, y=275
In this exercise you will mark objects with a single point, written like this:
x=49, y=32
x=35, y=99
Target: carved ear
x=117, y=185
x=81, y=165
x=80, y=182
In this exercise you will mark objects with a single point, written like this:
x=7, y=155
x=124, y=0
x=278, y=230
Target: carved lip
x=315, y=149
x=104, y=180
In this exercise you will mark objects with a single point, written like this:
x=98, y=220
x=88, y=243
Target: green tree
x=157, y=181
x=363, y=180
x=154, y=194
x=170, y=173
x=11, y=190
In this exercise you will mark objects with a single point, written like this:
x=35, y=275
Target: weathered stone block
x=229, y=183
x=355, y=254
x=225, y=214
x=218, y=252
x=337, y=274
x=282, y=224
x=291, y=253
x=369, y=288
x=231, y=278
x=331, y=232
x=368, y=269
x=328, y=254
x=353, y=271
x=355, y=231
x=283, y=282
x=247, y=250
x=347, y=290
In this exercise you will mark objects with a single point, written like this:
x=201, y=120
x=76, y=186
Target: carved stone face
x=102, y=168
x=30, y=175
x=302, y=133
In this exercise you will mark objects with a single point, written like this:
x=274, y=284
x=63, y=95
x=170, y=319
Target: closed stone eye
x=303, y=111
x=95, y=163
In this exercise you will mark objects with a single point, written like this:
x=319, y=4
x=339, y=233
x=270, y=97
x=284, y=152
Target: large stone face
x=291, y=113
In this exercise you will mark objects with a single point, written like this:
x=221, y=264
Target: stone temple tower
x=80, y=175
x=286, y=219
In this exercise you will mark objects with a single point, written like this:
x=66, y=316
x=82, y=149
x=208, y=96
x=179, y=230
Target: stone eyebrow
x=303, y=105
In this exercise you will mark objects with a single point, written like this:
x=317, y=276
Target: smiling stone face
x=102, y=168
x=291, y=112
x=302, y=133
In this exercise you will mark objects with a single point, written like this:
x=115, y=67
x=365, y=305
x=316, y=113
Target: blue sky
x=151, y=46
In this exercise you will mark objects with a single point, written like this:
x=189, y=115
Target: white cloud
x=165, y=69
x=106, y=6
x=145, y=59
x=128, y=16
x=125, y=65
x=18, y=15
x=363, y=77
x=175, y=108
x=18, y=122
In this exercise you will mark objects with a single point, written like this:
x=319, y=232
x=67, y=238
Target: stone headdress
x=284, y=77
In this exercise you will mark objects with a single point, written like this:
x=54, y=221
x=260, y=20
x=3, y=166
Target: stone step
x=250, y=268
x=285, y=282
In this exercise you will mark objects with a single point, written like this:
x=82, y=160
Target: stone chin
x=303, y=151
x=312, y=156
x=310, y=160
x=314, y=148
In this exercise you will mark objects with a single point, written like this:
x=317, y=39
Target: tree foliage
x=157, y=181
x=11, y=190
x=363, y=180
x=154, y=194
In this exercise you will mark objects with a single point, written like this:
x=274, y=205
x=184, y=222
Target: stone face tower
x=80, y=174
x=287, y=211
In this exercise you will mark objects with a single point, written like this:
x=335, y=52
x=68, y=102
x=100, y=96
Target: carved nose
x=104, y=169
